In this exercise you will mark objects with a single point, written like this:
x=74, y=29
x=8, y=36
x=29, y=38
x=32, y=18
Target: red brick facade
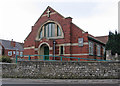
x=10, y=48
x=69, y=39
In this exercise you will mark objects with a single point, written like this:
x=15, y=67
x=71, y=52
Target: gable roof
x=7, y=45
x=51, y=9
x=104, y=39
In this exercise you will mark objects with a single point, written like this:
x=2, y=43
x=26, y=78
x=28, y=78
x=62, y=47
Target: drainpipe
x=54, y=48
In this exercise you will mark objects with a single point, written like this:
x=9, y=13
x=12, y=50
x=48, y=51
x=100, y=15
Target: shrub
x=5, y=59
x=113, y=43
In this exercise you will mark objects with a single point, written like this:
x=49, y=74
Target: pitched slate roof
x=104, y=39
x=7, y=45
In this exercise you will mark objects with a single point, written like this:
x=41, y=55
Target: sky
x=98, y=17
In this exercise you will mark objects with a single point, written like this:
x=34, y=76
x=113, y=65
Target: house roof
x=7, y=45
x=104, y=39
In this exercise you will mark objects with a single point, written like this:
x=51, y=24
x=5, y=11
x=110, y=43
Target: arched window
x=50, y=30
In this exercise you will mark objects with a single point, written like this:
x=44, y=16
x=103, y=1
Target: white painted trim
x=36, y=49
x=60, y=49
x=58, y=37
x=71, y=44
x=44, y=43
x=80, y=54
x=32, y=47
x=28, y=56
x=51, y=48
x=50, y=14
x=85, y=43
x=51, y=54
x=74, y=54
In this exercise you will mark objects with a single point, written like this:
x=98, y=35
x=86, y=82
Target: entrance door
x=46, y=52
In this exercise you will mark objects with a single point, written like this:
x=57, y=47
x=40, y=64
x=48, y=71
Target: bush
x=113, y=43
x=5, y=59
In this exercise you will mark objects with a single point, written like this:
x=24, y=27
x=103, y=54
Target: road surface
x=60, y=82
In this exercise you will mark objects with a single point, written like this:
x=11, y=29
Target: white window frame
x=0, y=51
x=21, y=54
x=103, y=50
x=9, y=53
x=98, y=50
x=90, y=48
x=59, y=33
x=41, y=33
x=60, y=50
x=50, y=31
x=14, y=52
x=17, y=53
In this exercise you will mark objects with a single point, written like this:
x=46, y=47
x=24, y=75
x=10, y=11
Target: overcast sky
x=98, y=17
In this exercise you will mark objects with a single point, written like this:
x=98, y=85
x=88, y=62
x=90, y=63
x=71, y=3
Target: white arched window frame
x=50, y=30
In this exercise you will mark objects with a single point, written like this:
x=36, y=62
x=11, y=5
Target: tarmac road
x=60, y=85
x=60, y=82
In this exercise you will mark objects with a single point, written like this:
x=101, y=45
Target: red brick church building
x=54, y=34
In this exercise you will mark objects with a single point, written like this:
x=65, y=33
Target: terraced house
x=10, y=48
x=54, y=34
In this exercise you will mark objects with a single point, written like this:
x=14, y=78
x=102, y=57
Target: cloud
x=17, y=16
x=77, y=0
x=104, y=20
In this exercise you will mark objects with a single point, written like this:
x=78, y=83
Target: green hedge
x=5, y=59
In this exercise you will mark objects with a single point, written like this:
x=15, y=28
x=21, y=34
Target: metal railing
x=52, y=58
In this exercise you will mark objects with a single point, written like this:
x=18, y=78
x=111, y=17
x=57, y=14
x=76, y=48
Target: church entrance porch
x=44, y=50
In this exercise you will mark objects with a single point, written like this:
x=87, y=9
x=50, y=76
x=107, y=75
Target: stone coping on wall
x=69, y=61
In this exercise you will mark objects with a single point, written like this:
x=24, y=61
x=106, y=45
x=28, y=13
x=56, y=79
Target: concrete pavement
x=59, y=81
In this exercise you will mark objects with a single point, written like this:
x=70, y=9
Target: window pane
x=21, y=53
x=0, y=52
x=17, y=53
x=98, y=50
x=61, y=49
x=58, y=31
x=90, y=48
x=9, y=53
x=103, y=50
x=53, y=30
x=13, y=52
x=49, y=29
x=41, y=34
x=45, y=30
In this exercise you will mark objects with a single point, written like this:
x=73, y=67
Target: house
x=10, y=48
x=54, y=34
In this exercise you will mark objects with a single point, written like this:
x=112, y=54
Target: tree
x=113, y=43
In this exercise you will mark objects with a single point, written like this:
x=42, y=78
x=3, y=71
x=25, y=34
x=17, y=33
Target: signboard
x=80, y=41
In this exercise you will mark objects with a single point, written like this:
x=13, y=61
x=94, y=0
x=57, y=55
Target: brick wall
x=71, y=34
x=58, y=69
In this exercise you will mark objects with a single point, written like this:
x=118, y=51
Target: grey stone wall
x=62, y=70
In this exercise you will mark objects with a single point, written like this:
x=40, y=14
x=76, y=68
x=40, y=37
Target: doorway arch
x=44, y=50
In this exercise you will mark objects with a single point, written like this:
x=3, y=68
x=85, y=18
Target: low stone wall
x=62, y=70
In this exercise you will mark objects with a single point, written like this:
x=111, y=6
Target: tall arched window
x=50, y=30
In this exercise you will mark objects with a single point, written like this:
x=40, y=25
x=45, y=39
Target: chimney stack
x=12, y=43
x=69, y=18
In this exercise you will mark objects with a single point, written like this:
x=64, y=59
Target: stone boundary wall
x=62, y=70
